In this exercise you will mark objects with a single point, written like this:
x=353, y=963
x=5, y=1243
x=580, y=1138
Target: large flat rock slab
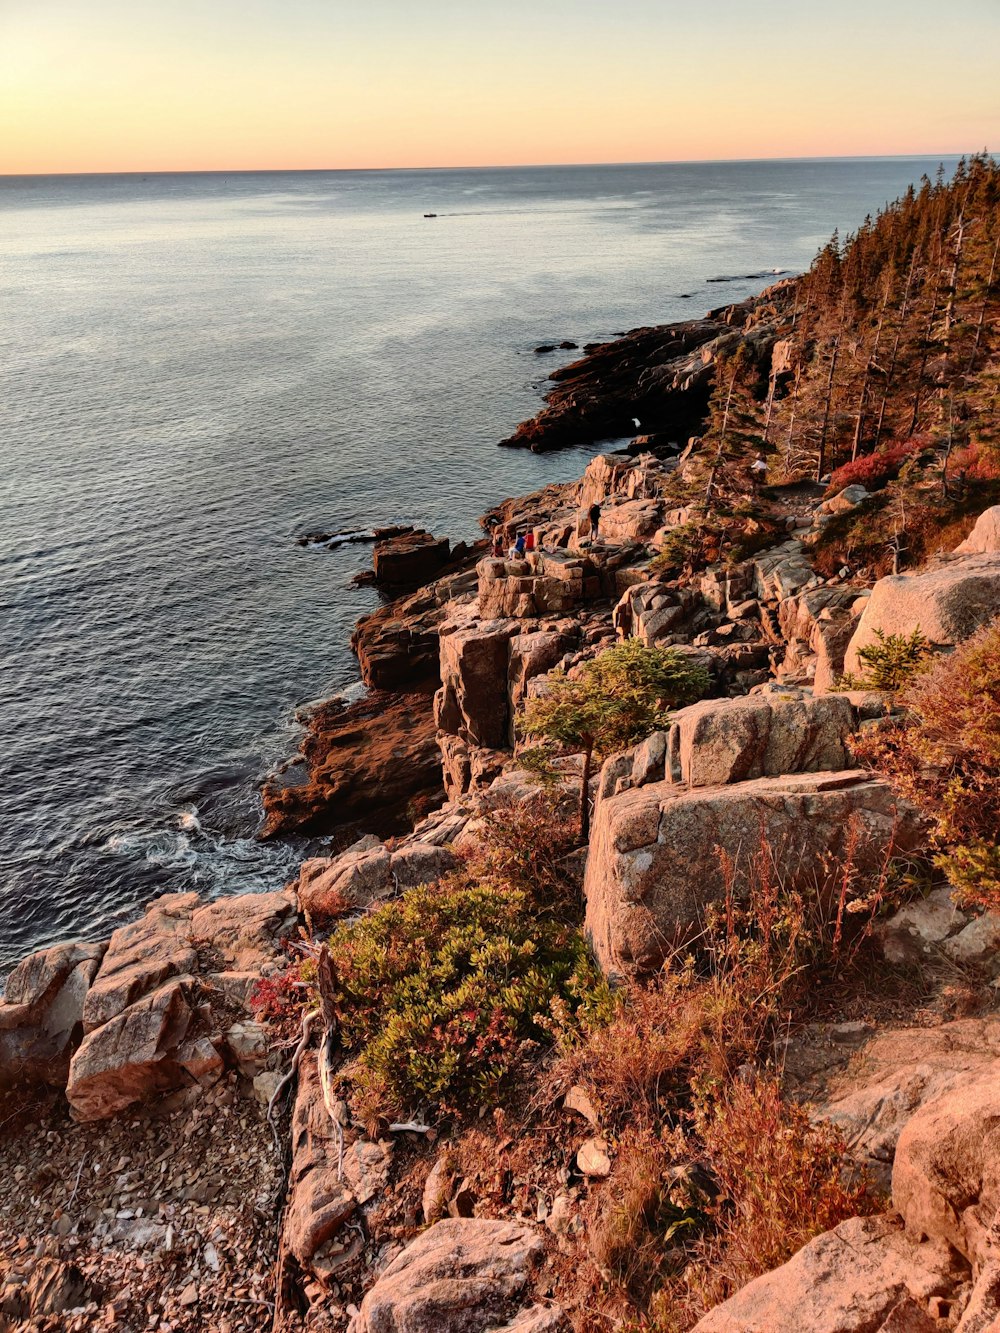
x=947, y=603
x=654, y=863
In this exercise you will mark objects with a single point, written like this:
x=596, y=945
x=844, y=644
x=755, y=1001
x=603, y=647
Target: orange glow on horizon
x=302, y=85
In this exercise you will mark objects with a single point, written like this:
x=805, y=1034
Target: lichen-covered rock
x=721, y=741
x=41, y=1016
x=865, y=1276
x=245, y=930
x=844, y=501
x=462, y=1275
x=654, y=613
x=816, y=627
x=654, y=865
x=781, y=571
x=947, y=603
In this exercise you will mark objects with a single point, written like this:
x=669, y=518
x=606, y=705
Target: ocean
x=196, y=369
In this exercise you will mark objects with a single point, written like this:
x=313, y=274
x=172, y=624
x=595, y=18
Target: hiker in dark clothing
x=594, y=514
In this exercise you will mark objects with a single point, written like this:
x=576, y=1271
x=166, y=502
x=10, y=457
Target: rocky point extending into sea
x=169, y=1164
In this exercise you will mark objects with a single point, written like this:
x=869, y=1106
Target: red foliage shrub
x=874, y=470
x=279, y=999
x=975, y=464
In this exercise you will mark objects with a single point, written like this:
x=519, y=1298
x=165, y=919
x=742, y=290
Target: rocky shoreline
x=150, y=1181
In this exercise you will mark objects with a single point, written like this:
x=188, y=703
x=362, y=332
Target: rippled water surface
x=193, y=369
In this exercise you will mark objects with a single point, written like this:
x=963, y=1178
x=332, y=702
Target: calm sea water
x=195, y=368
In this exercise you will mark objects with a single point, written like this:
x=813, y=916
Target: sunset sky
x=152, y=85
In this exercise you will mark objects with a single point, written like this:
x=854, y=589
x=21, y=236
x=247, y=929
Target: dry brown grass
x=781, y=1181
x=717, y=1177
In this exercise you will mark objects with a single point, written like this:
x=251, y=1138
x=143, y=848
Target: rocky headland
x=731, y=1062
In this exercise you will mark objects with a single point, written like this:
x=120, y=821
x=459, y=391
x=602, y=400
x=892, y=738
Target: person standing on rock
x=498, y=542
x=594, y=514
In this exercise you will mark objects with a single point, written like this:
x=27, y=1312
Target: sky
x=163, y=85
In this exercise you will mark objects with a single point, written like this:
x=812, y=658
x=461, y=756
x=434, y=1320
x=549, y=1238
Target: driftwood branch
x=309, y=1022
x=326, y=979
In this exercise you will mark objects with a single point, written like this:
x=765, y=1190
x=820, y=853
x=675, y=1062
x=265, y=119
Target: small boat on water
x=430, y=215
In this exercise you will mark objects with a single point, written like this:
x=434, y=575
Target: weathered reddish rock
x=466, y=767
x=328, y=885
x=413, y=557
x=865, y=1276
x=946, y=1172
x=533, y=655
x=473, y=701
x=319, y=1202
x=655, y=612
x=150, y=1048
x=462, y=1275
x=141, y=956
x=364, y=762
x=653, y=865
x=900, y=1070
x=816, y=627
x=41, y=1016
x=397, y=646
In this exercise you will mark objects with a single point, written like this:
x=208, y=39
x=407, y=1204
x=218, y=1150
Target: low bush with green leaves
x=891, y=662
x=447, y=989
x=443, y=988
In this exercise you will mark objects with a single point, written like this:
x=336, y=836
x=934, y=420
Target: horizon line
x=493, y=166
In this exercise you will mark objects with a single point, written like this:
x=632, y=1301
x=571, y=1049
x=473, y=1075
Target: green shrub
x=890, y=663
x=945, y=758
x=442, y=988
x=681, y=546
x=613, y=701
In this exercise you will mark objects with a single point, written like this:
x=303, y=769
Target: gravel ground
x=163, y=1222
